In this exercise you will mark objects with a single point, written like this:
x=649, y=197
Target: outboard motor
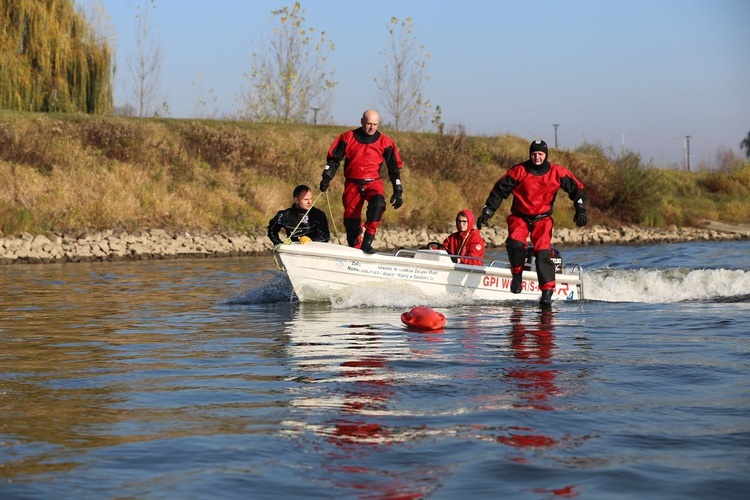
x=556, y=257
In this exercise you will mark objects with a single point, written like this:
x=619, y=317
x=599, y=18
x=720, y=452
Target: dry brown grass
x=68, y=173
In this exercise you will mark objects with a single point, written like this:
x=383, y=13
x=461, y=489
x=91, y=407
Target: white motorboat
x=320, y=271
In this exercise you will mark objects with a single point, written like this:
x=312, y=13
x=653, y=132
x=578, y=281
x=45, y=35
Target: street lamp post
x=555, y=125
x=622, y=144
x=687, y=145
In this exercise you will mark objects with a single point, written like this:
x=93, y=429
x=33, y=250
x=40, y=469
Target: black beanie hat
x=538, y=145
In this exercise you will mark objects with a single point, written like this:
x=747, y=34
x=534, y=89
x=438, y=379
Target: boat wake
x=262, y=288
x=667, y=285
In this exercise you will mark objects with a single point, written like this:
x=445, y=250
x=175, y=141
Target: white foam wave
x=664, y=285
x=263, y=288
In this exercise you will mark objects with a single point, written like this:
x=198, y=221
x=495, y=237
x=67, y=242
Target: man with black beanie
x=534, y=185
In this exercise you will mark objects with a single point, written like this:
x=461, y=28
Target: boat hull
x=319, y=271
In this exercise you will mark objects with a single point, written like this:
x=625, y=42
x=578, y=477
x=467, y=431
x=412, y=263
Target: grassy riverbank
x=68, y=173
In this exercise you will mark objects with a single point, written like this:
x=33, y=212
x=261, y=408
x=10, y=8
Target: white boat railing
x=438, y=256
x=442, y=255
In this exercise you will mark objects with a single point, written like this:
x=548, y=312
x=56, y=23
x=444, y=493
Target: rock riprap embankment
x=160, y=244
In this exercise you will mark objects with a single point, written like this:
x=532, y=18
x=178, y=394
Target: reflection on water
x=534, y=344
x=368, y=387
x=533, y=377
x=348, y=394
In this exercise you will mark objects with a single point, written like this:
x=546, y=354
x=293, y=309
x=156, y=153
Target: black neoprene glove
x=484, y=218
x=580, y=218
x=397, y=198
x=325, y=181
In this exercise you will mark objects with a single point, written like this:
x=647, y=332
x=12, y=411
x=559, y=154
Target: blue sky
x=648, y=72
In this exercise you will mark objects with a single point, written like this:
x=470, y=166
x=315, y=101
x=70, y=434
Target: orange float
x=423, y=318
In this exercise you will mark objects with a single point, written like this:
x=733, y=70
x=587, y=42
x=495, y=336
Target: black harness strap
x=361, y=183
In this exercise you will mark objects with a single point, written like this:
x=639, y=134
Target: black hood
x=363, y=138
x=534, y=169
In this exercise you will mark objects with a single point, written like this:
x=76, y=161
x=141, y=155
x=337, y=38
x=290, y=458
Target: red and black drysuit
x=297, y=222
x=534, y=188
x=363, y=154
x=467, y=243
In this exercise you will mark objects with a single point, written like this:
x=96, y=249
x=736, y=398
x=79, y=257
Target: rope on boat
x=288, y=240
x=333, y=220
x=279, y=265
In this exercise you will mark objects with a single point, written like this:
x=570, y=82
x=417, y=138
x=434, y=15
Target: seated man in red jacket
x=467, y=241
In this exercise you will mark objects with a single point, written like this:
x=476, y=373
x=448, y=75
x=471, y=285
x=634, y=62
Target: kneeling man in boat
x=300, y=220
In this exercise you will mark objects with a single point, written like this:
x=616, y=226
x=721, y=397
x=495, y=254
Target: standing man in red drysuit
x=363, y=150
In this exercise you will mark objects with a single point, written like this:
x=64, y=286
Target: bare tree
x=402, y=82
x=726, y=160
x=206, y=99
x=288, y=78
x=146, y=64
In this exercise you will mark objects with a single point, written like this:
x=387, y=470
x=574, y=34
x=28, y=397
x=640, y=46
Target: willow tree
x=288, y=77
x=50, y=59
x=403, y=77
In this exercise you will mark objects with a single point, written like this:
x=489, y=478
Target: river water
x=204, y=379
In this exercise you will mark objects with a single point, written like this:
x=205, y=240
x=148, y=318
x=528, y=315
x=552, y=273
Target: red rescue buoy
x=423, y=318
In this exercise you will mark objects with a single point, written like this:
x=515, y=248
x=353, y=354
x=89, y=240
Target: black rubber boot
x=546, y=299
x=353, y=230
x=367, y=243
x=515, y=285
x=545, y=268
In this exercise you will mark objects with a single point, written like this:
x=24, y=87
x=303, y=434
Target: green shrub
x=741, y=175
x=735, y=211
x=633, y=188
x=719, y=183
x=16, y=221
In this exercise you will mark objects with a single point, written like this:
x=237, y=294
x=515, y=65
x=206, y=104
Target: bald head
x=370, y=121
